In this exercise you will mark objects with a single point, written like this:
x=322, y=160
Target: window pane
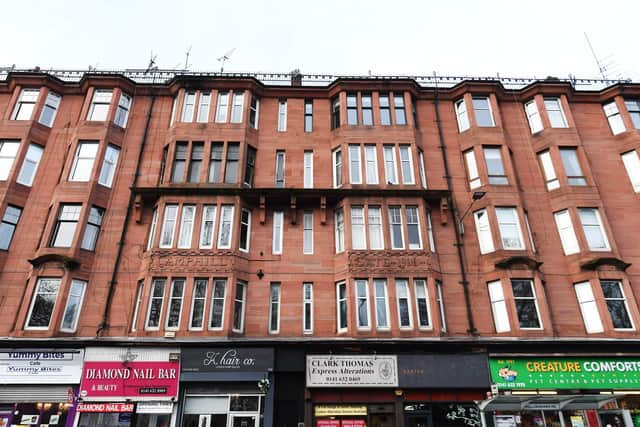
x=483, y=112
x=565, y=230
x=572, y=166
x=72, y=310
x=509, y=228
x=217, y=303
x=495, y=167
x=525, y=302
x=155, y=304
x=83, y=162
x=461, y=113
x=30, y=165
x=358, y=237
x=555, y=113
x=395, y=223
x=224, y=234
x=382, y=317
x=592, y=227
x=44, y=299
x=376, y=240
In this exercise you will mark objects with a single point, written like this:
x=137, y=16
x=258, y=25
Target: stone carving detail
x=385, y=262
x=191, y=262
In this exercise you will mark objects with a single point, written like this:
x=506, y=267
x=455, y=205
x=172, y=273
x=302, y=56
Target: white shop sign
x=154, y=407
x=27, y=366
x=352, y=371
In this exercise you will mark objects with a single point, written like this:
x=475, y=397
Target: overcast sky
x=462, y=38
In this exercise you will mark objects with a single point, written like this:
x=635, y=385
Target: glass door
x=244, y=421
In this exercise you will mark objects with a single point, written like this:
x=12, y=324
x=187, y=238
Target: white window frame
x=225, y=222
x=462, y=115
x=498, y=307
x=631, y=162
x=223, y=299
x=362, y=284
x=308, y=169
x=28, y=99
x=280, y=181
x=432, y=241
x=33, y=157
x=355, y=164
x=122, y=110
x=194, y=297
x=282, y=116
x=8, y=153
x=169, y=222
x=77, y=158
x=548, y=170
x=189, y=106
x=337, y=167
x=535, y=303
x=600, y=227
x=256, y=109
x=423, y=176
x=392, y=223
x=382, y=299
x=307, y=301
x=526, y=223
x=489, y=109
x=138, y=304
x=339, y=229
x=222, y=108
x=408, y=180
x=307, y=233
x=52, y=102
x=375, y=227
x=78, y=309
x=588, y=308
x=152, y=229
x=565, y=123
x=150, y=304
x=33, y=302
x=624, y=301
x=493, y=177
x=8, y=225
x=211, y=210
x=614, y=118
x=204, y=107
x=440, y=300
x=419, y=245
x=109, y=163
x=533, y=116
x=171, y=299
x=371, y=164
x=95, y=100
x=187, y=222
x=503, y=222
x=390, y=165
x=243, y=302
x=275, y=297
x=237, y=106
x=278, y=232
x=472, y=169
x=174, y=108
x=245, y=247
x=404, y=283
x=483, y=230
x=358, y=228
x=564, y=225
x=422, y=283
x=342, y=302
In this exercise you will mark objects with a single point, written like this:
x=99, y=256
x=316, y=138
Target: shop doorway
x=422, y=420
x=243, y=421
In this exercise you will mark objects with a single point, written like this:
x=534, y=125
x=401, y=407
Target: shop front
x=352, y=391
x=563, y=392
x=39, y=387
x=127, y=387
x=227, y=387
x=441, y=389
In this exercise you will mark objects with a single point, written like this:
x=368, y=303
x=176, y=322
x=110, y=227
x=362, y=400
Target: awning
x=545, y=402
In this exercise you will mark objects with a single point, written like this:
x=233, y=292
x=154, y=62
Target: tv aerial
x=224, y=58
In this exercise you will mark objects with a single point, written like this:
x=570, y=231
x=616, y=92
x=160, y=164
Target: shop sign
x=154, y=408
x=328, y=423
x=352, y=371
x=443, y=371
x=105, y=407
x=353, y=423
x=26, y=366
x=227, y=359
x=543, y=406
x=151, y=380
x=339, y=410
x=565, y=373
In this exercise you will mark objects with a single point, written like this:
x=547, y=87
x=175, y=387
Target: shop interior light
x=606, y=392
x=523, y=393
x=627, y=392
x=547, y=392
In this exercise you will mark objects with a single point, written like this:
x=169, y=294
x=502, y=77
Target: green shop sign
x=565, y=373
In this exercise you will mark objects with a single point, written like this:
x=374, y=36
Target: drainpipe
x=113, y=282
x=456, y=225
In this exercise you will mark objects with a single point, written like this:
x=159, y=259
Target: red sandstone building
x=249, y=250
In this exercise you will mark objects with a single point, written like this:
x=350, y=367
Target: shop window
x=482, y=109
x=385, y=109
x=237, y=107
x=614, y=118
x=254, y=112
x=339, y=230
x=566, y=232
x=432, y=242
x=398, y=105
x=198, y=302
x=461, y=115
x=533, y=115
x=186, y=226
x=376, y=239
x=403, y=304
x=233, y=158
x=588, y=308
x=278, y=224
x=195, y=164
x=307, y=233
x=440, y=301
x=335, y=113
x=406, y=164
x=245, y=230
x=352, y=109
x=524, y=296
x=208, y=226
x=216, y=317
x=92, y=229
x=593, y=229
x=109, y=165
x=367, y=109
x=572, y=167
x=337, y=168
x=495, y=166
x=239, y=307
x=279, y=172
x=65, y=227
x=371, y=164
x=308, y=115
x=274, y=308
x=215, y=162
x=8, y=225
x=8, y=153
x=633, y=108
x=358, y=235
x=99, y=108
x=631, y=162
x=168, y=226
x=43, y=303
x=498, y=307
x=83, y=161
x=616, y=304
x=122, y=112
x=250, y=166
x=341, y=304
x=138, y=304
x=472, y=169
x=396, y=227
x=152, y=228
x=204, y=104
x=156, y=301
x=483, y=230
x=549, y=172
x=413, y=228
x=174, y=311
x=26, y=104
x=50, y=109
x=555, y=113
x=222, y=107
x=509, y=226
x=74, y=304
x=362, y=304
x=282, y=115
x=225, y=232
x=307, y=308
x=355, y=168
x=308, y=169
x=381, y=303
x=390, y=170
x=422, y=303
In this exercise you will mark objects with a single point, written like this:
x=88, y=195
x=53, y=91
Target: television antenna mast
x=601, y=67
x=186, y=61
x=225, y=58
x=152, y=62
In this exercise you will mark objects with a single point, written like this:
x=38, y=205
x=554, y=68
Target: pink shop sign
x=151, y=380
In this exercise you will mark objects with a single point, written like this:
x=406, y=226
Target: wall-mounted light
x=260, y=274
x=477, y=195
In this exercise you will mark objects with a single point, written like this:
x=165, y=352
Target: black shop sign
x=226, y=359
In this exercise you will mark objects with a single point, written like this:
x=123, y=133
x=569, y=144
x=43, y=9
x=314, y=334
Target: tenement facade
x=226, y=250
